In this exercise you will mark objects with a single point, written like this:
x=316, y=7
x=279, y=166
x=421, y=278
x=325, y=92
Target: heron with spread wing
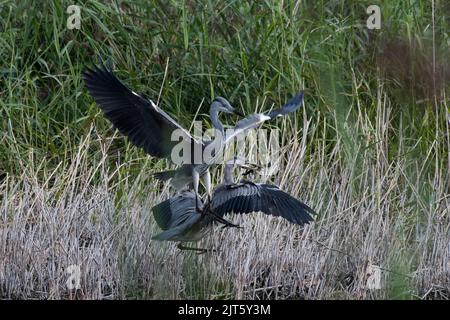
x=149, y=127
x=250, y=122
x=181, y=221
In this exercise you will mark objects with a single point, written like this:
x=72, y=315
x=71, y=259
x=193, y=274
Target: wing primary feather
x=290, y=106
x=146, y=126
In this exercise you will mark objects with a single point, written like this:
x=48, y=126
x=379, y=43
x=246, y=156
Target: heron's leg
x=209, y=211
x=207, y=208
x=208, y=186
x=218, y=218
x=198, y=250
x=195, y=181
x=250, y=168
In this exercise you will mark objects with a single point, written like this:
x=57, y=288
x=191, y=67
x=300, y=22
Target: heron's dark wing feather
x=226, y=197
x=256, y=119
x=289, y=107
x=146, y=125
x=289, y=207
x=236, y=198
x=287, y=196
x=247, y=197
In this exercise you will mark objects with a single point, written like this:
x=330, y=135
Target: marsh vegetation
x=369, y=151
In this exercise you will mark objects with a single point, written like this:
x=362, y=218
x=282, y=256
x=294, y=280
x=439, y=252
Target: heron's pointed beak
x=238, y=113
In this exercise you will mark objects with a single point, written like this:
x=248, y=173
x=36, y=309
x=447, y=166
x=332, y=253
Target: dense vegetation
x=369, y=151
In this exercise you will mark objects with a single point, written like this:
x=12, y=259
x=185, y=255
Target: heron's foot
x=219, y=219
x=250, y=168
x=203, y=211
x=231, y=225
x=203, y=251
x=198, y=250
x=207, y=210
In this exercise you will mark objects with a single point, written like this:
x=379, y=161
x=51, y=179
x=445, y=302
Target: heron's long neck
x=217, y=144
x=214, y=115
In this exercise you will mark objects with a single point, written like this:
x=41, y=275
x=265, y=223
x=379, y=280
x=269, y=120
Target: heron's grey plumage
x=242, y=126
x=145, y=124
x=149, y=127
x=256, y=119
x=183, y=222
x=288, y=107
x=249, y=197
x=180, y=219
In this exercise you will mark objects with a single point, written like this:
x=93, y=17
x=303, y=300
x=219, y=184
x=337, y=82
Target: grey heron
x=250, y=122
x=181, y=221
x=149, y=127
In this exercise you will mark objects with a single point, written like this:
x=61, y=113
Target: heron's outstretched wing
x=289, y=106
x=251, y=122
x=248, y=197
x=256, y=119
x=146, y=125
